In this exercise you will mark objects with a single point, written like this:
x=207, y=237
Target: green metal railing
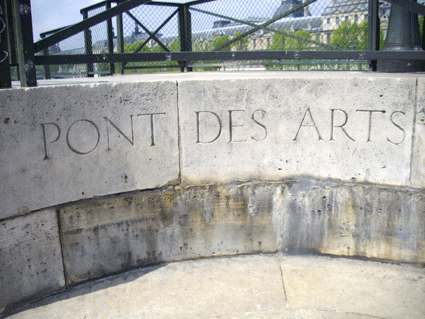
x=17, y=47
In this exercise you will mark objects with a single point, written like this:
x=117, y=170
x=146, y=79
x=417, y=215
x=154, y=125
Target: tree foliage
x=242, y=44
x=352, y=36
x=132, y=47
x=348, y=36
x=299, y=41
x=219, y=41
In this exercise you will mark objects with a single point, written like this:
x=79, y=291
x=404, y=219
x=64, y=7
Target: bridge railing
x=140, y=35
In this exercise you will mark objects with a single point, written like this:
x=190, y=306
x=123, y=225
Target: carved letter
x=370, y=121
x=152, y=125
x=72, y=148
x=398, y=126
x=313, y=125
x=43, y=126
x=231, y=126
x=131, y=141
x=341, y=126
x=260, y=124
x=197, y=127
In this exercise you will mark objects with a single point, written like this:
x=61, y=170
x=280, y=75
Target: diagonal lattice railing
x=155, y=47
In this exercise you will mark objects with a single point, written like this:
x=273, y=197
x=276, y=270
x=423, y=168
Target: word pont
x=92, y=132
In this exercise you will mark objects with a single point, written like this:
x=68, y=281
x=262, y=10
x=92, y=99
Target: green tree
x=348, y=36
x=362, y=44
x=242, y=44
x=300, y=41
x=278, y=42
x=219, y=41
x=421, y=22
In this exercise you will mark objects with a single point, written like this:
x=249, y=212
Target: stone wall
x=101, y=178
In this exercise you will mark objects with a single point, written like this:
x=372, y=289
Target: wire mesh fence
x=98, y=38
x=151, y=29
x=286, y=25
x=227, y=25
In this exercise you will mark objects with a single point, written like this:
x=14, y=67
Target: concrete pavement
x=255, y=286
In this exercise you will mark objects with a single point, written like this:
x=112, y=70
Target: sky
x=51, y=14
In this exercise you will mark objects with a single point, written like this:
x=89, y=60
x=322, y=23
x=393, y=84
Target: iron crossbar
x=230, y=56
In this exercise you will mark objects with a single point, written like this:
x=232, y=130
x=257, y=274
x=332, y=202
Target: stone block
x=418, y=152
x=30, y=258
x=112, y=235
x=354, y=220
x=348, y=128
x=62, y=144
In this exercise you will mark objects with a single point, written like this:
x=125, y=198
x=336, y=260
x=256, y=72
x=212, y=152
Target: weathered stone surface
x=354, y=129
x=112, y=235
x=30, y=258
x=354, y=220
x=62, y=144
x=418, y=152
x=246, y=287
x=298, y=137
x=353, y=287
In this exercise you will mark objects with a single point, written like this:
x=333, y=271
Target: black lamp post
x=402, y=35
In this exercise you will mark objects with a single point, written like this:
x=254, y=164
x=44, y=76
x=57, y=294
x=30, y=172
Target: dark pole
x=402, y=35
x=5, y=79
x=110, y=39
x=185, y=32
x=47, y=74
x=24, y=42
x=373, y=31
x=88, y=46
x=120, y=40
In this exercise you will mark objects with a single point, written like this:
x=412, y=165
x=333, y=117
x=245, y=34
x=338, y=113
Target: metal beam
x=185, y=33
x=120, y=40
x=44, y=34
x=5, y=80
x=94, y=6
x=230, y=56
x=373, y=31
x=24, y=40
x=110, y=33
x=85, y=24
x=156, y=31
x=151, y=35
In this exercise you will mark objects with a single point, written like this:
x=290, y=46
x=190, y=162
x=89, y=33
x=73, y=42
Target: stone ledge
x=123, y=134
x=100, y=237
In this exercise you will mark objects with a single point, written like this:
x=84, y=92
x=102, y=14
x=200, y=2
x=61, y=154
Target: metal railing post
x=402, y=35
x=373, y=31
x=120, y=41
x=88, y=46
x=5, y=79
x=24, y=42
x=110, y=39
x=47, y=74
x=185, y=33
